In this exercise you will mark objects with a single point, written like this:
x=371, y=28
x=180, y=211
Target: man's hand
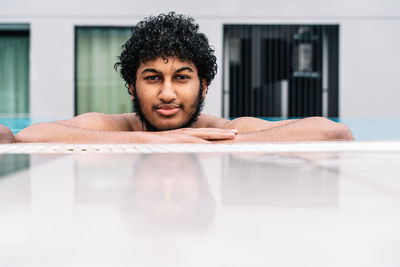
x=209, y=134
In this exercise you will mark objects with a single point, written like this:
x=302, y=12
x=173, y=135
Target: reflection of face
x=168, y=190
x=168, y=93
x=166, y=187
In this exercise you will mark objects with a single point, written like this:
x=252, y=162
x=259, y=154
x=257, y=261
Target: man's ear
x=204, y=88
x=131, y=88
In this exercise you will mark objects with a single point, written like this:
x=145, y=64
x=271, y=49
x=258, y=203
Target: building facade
x=368, y=41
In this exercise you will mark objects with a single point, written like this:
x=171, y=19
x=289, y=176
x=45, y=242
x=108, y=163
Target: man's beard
x=192, y=117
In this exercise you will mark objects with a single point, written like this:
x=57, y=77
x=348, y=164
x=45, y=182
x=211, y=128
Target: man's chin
x=167, y=124
x=168, y=127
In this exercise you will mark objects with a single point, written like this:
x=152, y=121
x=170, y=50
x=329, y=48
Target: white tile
x=326, y=204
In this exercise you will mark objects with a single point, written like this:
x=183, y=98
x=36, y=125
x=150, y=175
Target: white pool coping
x=54, y=148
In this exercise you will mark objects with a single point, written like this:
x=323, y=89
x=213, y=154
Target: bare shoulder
x=249, y=124
x=242, y=124
x=210, y=121
x=104, y=122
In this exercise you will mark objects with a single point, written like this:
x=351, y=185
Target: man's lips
x=168, y=110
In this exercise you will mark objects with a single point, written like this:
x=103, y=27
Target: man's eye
x=182, y=77
x=152, y=78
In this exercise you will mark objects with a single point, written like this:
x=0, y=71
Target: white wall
x=52, y=69
x=370, y=72
x=369, y=41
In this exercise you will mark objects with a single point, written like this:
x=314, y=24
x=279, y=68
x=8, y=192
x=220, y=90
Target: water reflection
x=15, y=184
x=275, y=180
x=163, y=190
x=10, y=163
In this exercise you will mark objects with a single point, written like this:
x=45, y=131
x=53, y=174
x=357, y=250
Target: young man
x=167, y=66
x=6, y=136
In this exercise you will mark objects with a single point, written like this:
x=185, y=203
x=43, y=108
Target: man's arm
x=6, y=136
x=309, y=129
x=101, y=128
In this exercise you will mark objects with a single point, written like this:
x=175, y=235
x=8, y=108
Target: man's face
x=172, y=188
x=168, y=93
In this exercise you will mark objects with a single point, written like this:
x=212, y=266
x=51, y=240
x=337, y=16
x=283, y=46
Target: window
x=14, y=70
x=98, y=87
x=281, y=70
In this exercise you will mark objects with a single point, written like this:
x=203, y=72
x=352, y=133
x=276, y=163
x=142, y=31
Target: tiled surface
x=270, y=207
x=29, y=148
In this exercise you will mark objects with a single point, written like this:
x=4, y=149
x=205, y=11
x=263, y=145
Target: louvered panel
x=278, y=70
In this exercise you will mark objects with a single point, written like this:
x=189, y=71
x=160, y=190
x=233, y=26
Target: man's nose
x=167, y=92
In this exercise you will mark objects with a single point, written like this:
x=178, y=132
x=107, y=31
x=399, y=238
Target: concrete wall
x=369, y=41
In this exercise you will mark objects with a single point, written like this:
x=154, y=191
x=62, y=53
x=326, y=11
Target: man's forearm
x=58, y=133
x=6, y=136
x=310, y=129
x=61, y=133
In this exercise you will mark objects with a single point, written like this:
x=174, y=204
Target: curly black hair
x=167, y=35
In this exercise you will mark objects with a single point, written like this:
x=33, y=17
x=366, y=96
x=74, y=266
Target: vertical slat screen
x=272, y=63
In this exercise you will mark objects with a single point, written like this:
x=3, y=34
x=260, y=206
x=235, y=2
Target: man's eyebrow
x=150, y=70
x=184, y=68
x=158, y=72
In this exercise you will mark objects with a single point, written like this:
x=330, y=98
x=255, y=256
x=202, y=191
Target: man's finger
x=210, y=133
